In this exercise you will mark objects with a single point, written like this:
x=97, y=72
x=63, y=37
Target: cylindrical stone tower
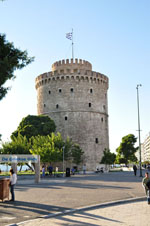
x=75, y=97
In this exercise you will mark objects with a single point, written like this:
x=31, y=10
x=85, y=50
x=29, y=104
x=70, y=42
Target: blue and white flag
x=69, y=35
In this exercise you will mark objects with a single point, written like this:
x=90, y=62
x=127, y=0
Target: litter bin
x=4, y=188
x=67, y=172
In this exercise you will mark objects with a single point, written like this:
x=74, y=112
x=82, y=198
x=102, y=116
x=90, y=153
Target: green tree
x=19, y=145
x=126, y=151
x=47, y=147
x=108, y=157
x=76, y=154
x=68, y=144
x=33, y=125
x=11, y=59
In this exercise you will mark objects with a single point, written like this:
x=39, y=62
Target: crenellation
x=79, y=63
x=61, y=74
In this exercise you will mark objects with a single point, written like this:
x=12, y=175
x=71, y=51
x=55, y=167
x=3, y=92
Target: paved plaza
x=132, y=214
x=56, y=195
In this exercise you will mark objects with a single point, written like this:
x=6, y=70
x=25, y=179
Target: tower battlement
x=79, y=70
x=67, y=64
x=82, y=75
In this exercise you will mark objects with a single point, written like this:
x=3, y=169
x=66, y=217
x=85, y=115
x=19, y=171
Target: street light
x=63, y=159
x=137, y=87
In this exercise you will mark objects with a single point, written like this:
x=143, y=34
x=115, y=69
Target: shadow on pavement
x=40, y=209
x=83, y=218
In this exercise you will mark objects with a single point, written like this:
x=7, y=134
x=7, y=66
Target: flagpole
x=72, y=46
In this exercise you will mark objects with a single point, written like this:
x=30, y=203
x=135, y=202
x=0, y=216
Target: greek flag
x=69, y=35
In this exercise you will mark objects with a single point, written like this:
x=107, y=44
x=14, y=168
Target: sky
x=113, y=35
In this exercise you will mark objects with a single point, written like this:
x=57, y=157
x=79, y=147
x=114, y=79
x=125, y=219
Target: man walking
x=146, y=185
x=13, y=180
x=134, y=169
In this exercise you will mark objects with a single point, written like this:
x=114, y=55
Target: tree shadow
x=80, y=219
x=38, y=208
x=68, y=184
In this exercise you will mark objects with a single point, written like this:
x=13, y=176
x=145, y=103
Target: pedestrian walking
x=13, y=180
x=146, y=185
x=134, y=169
x=43, y=171
x=50, y=170
x=73, y=171
x=84, y=169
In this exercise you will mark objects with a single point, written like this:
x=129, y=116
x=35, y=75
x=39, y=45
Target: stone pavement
x=55, y=195
x=125, y=214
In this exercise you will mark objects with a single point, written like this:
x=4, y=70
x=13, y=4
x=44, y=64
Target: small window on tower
x=44, y=105
x=91, y=90
x=90, y=105
x=57, y=106
x=71, y=90
x=66, y=118
x=96, y=140
x=101, y=119
x=49, y=92
x=59, y=90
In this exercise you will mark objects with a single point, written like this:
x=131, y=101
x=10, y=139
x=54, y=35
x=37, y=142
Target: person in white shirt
x=13, y=180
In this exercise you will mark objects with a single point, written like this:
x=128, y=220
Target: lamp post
x=63, y=159
x=137, y=87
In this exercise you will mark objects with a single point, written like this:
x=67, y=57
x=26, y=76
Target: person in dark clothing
x=146, y=185
x=134, y=169
x=50, y=170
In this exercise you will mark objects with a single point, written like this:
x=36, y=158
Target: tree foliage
x=11, y=59
x=48, y=147
x=108, y=157
x=33, y=125
x=76, y=154
x=126, y=151
x=19, y=145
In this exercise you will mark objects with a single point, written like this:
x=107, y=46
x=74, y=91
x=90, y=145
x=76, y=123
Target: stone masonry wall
x=75, y=97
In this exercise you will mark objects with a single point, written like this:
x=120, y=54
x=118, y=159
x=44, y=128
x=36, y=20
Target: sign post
x=14, y=159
